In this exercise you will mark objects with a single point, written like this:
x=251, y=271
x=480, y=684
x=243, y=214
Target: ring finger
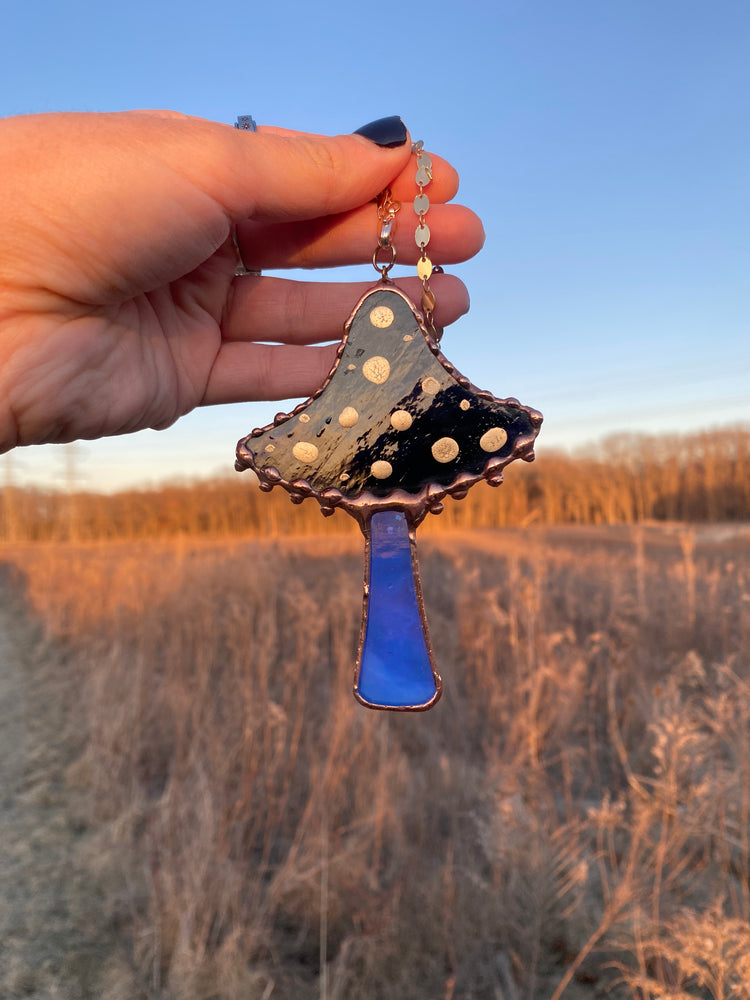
x=309, y=312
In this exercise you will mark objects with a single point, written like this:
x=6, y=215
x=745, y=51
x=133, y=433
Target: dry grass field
x=571, y=821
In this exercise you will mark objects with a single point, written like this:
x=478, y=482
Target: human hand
x=119, y=308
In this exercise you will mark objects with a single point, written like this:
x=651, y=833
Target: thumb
x=280, y=175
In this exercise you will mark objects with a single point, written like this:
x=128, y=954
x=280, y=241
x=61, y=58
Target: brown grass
x=564, y=823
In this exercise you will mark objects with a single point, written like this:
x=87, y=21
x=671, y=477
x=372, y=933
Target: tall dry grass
x=567, y=822
x=698, y=477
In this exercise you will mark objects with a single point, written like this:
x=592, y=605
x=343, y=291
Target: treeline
x=628, y=478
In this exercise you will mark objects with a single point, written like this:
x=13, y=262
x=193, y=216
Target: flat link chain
x=425, y=268
x=387, y=210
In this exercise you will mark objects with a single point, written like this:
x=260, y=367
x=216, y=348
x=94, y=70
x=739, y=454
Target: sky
x=604, y=143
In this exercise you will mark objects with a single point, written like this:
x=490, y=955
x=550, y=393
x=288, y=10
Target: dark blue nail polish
x=386, y=132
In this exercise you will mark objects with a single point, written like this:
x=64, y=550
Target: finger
x=278, y=175
x=306, y=312
x=443, y=186
x=456, y=235
x=246, y=372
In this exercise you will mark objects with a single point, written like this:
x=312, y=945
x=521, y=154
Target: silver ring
x=248, y=124
x=240, y=270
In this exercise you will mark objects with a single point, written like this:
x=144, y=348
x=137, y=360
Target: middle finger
x=351, y=238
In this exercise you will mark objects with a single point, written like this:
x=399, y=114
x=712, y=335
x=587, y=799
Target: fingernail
x=385, y=132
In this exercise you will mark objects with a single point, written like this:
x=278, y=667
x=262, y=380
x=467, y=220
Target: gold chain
x=425, y=268
x=387, y=209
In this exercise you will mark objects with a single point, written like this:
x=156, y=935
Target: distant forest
x=703, y=477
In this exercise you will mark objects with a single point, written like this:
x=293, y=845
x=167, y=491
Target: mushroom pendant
x=392, y=431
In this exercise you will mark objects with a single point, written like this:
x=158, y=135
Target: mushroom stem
x=395, y=668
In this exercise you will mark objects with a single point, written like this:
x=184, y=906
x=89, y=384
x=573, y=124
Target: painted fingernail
x=386, y=132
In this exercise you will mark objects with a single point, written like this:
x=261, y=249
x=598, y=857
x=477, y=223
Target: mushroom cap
x=394, y=420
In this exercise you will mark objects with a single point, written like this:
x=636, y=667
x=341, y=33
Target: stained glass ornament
x=392, y=432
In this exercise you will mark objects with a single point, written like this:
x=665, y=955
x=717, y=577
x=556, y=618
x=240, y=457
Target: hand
x=119, y=308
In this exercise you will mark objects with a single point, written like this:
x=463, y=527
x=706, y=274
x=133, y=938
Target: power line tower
x=10, y=523
x=71, y=490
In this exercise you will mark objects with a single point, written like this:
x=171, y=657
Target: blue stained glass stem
x=395, y=669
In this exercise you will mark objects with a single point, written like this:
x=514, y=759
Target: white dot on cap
x=445, y=450
x=305, y=451
x=493, y=439
x=381, y=469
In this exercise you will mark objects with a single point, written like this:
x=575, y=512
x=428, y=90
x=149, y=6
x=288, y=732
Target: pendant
x=392, y=432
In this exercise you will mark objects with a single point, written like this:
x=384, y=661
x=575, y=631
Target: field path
x=47, y=922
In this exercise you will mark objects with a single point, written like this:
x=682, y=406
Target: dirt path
x=48, y=919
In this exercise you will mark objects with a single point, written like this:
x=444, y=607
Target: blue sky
x=604, y=143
